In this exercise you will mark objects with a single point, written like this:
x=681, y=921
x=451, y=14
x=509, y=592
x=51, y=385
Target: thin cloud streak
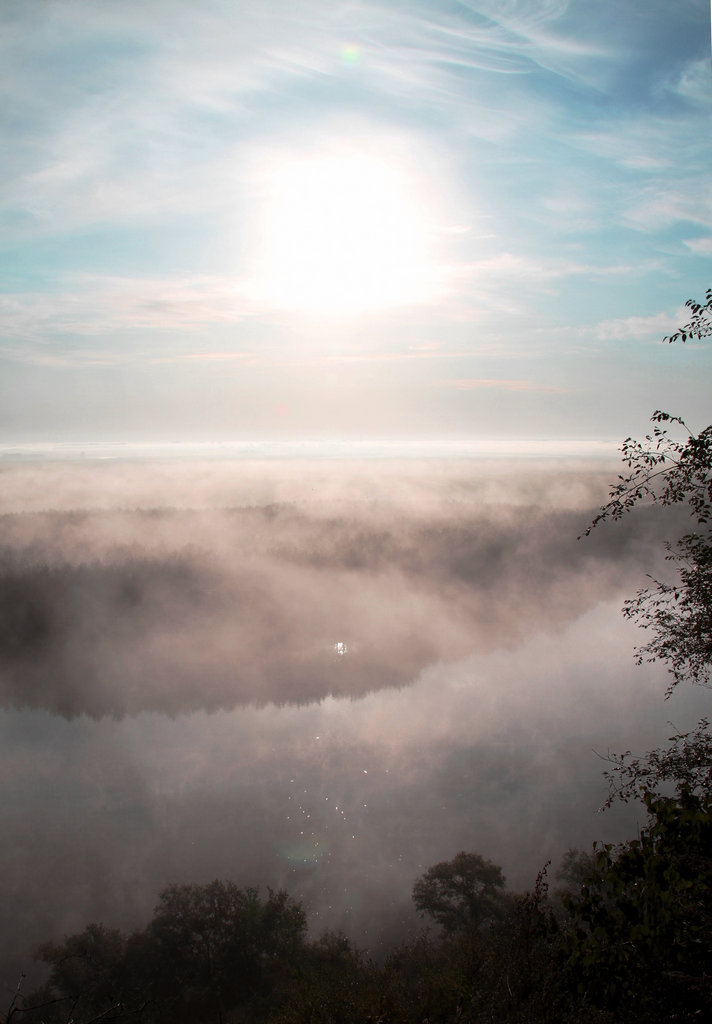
x=102, y=305
x=82, y=178
x=475, y=383
x=97, y=305
x=655, y=325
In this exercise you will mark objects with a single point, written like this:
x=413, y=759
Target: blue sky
x=323, y=219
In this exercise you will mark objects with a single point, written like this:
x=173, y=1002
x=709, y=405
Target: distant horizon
x=276, y=447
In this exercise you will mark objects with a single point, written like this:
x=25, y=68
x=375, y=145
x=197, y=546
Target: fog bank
x=325, y=677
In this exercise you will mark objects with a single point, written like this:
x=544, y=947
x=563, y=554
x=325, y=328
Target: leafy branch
x=685, y=763
x=672, y=465
x=700, y=326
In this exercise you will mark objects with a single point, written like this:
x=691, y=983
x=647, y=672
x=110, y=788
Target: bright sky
x=312, y=218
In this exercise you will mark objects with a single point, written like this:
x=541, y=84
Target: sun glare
x=342, y=232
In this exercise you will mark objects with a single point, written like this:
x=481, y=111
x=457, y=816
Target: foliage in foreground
x=672, y=466
x=628, y=940
x=208, y=950
x=639, y=940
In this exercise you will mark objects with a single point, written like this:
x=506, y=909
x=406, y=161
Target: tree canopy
x=641, y=921
x=208, y=950
x=461, y=894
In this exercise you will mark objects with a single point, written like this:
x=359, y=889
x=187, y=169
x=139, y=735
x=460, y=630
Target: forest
x=623, y=934
x=619, y=934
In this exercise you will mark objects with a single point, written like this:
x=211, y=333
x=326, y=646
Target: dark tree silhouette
x=461, y=894
x=209, y=952
x=640, y=942
x=210, y=948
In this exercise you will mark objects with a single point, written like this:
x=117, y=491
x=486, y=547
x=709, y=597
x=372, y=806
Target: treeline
x=623, y=936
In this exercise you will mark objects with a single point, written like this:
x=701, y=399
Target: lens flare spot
x=307, y=850
x=350, y=54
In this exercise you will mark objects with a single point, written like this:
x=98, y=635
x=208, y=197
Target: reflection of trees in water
x=205, y=610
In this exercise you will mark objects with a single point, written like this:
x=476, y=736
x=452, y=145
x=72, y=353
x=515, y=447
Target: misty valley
x=353, y=668
x=316, y=682
x=114, y=613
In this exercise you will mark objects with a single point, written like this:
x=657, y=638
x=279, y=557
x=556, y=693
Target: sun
x=340, y=231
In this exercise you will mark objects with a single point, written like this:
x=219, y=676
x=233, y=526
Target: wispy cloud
x=701, y=246
x=245, y=358
x=99, y=305
x=695, y=82
x=142, y=142
x=663, y=207
x=478, y=383
x=657, y=324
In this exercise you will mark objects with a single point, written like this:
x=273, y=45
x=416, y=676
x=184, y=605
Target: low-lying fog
x=325, y=676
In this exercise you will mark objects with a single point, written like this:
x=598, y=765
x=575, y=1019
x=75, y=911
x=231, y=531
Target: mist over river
x=320, y=674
